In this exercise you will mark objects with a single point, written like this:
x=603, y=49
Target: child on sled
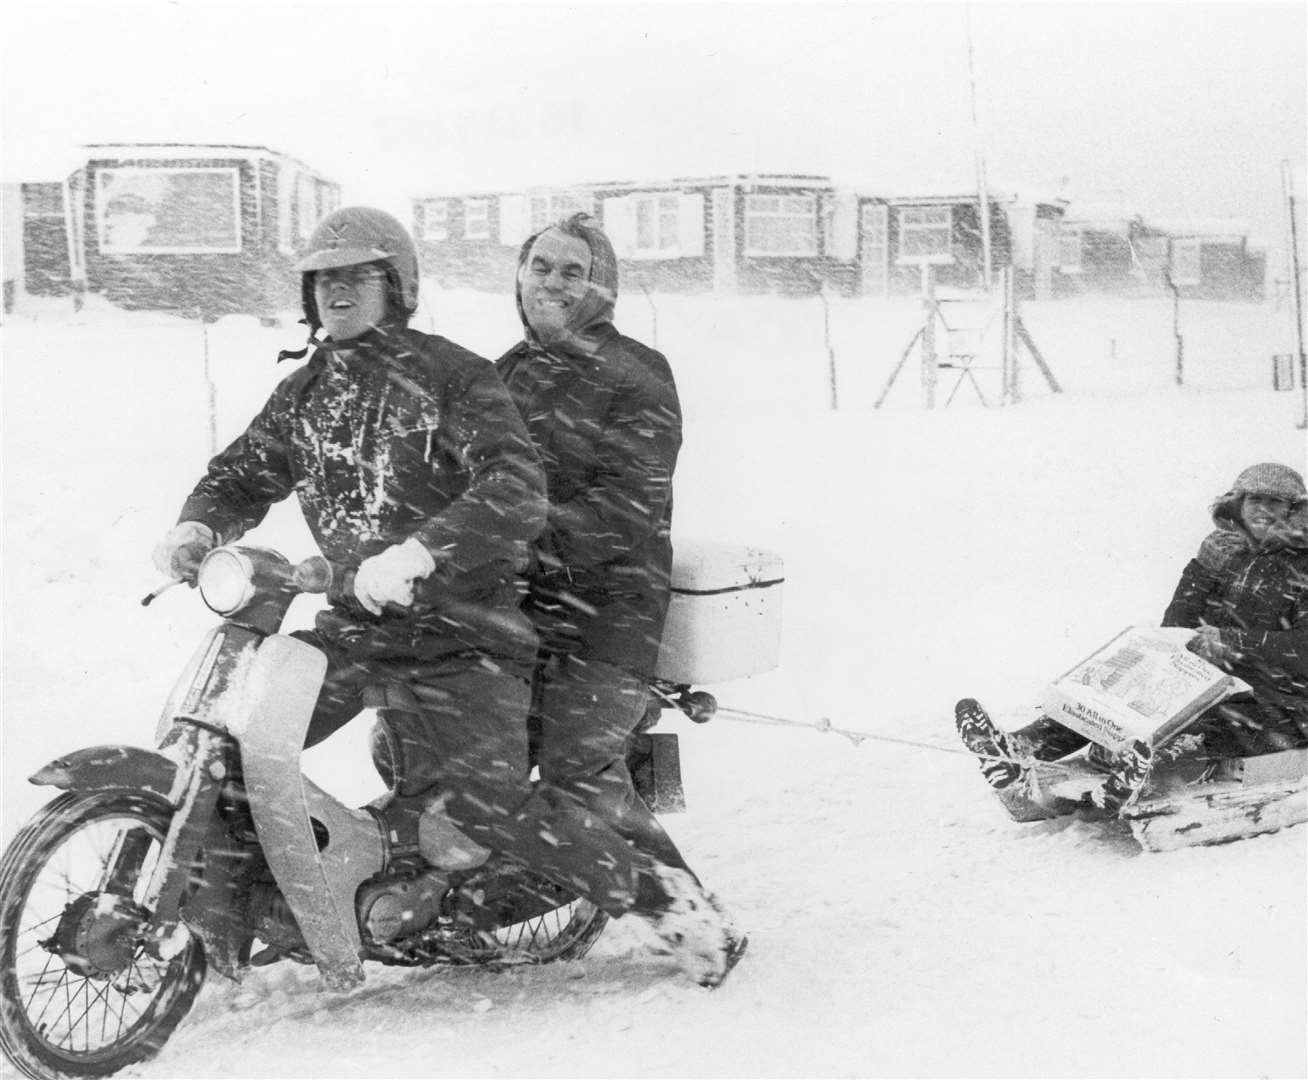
x=1245, y=594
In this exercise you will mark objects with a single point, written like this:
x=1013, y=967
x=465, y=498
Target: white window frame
x=916, y=222
x=436, y=219
x=1187, y=269
x=766, y=233
x=108, y=247
x=544, y=210
x=476, y=219
x=661, y=212
x=1070, y=249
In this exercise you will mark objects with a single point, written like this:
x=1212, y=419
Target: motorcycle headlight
x=226, y=581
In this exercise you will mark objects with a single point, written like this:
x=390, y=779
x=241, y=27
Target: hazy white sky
x=1185, y=107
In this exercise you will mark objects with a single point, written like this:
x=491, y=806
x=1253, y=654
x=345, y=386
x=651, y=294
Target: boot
x=999, y=765
x=1128, y=779
x=692, y=926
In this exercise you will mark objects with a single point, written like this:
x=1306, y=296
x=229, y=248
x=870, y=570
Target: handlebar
x=312, y=575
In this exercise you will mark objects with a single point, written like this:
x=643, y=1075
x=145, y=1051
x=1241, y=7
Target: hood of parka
x=1266, y=478
x=594, y=312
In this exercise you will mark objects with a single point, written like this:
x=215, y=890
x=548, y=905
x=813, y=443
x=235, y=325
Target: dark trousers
x=583, y=714
x=461, y=730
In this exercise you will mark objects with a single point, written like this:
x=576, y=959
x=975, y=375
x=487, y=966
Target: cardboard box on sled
x=724, y=619
x=1143, y=684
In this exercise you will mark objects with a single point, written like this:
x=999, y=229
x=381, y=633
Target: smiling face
x=553, y=282
x=1260, y=512
x=351, y=300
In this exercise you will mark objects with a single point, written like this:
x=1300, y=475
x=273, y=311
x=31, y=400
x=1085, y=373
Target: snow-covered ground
x=901, y=925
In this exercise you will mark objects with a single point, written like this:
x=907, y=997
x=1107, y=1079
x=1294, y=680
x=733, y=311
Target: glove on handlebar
x=183, y=548
x=388, y=578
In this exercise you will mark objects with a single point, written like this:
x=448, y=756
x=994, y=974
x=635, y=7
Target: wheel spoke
x=73, y=894
x=59, y=979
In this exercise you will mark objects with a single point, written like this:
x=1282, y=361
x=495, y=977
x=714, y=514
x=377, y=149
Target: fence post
x=211, y=390
x=654, y=318
x=1008, y=361
x=831, y=352
x=930, y=362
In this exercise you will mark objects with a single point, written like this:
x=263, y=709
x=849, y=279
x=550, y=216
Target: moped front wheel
x=79, y=993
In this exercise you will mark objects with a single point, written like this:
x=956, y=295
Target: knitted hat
x=1269, y=478
x=1265, y=478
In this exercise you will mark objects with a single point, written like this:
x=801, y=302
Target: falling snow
x=900, y=923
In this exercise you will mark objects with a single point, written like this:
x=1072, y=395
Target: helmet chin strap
x=300, y=354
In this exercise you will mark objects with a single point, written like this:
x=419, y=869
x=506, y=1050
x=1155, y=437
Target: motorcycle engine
x=392, y=908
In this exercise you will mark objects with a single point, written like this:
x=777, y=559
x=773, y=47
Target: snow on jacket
x=606, y=419
x=397, y=434
x=1259, y=602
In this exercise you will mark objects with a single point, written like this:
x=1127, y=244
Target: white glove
x=183, y=548
x=388, y=578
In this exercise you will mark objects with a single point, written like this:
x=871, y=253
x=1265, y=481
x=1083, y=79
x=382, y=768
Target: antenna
x=983, y=199
x=1287, y=180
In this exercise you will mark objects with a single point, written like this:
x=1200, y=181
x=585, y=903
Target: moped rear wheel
x=515, y=916
x=79, y=994
x=562, y=933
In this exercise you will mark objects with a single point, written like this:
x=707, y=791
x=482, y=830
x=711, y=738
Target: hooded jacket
x=603, y=411
x=1259, y=602
x=395, y=434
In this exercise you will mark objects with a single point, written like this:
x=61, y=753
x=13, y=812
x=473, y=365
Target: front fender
x=112, y=768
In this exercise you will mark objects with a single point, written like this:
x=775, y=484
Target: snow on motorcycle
x=214, y=850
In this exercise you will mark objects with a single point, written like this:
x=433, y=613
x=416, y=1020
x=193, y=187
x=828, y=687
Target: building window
x=1069, y=250
x=308, y=210
x=656, y=224
x=167, y=210
x=780, y=225
x=476, y=219
x=925, y=234
x=436, y=219
x=1185, y=262
x=548, y=209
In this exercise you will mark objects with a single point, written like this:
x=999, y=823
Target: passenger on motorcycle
x=603, y=412
x=1246, y=595
x=411, y=463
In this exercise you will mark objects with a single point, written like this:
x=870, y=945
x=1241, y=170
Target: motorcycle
x=154, y=866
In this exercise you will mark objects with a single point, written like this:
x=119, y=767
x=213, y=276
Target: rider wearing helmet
x=411, y=464
x=362, y=236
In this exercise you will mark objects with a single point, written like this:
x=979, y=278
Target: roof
x=1209, y=228
x=34, y=165
x=173, y=151
x=676, y=183
x=1107, y=215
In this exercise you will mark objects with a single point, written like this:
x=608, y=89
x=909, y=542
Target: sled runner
x=1144, y=684
x=1188, y=802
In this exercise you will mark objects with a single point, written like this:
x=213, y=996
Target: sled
x=1188, y=802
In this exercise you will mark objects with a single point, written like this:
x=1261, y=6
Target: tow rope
x=824, y=724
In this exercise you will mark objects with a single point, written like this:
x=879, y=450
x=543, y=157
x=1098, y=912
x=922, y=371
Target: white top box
x=724, y=618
